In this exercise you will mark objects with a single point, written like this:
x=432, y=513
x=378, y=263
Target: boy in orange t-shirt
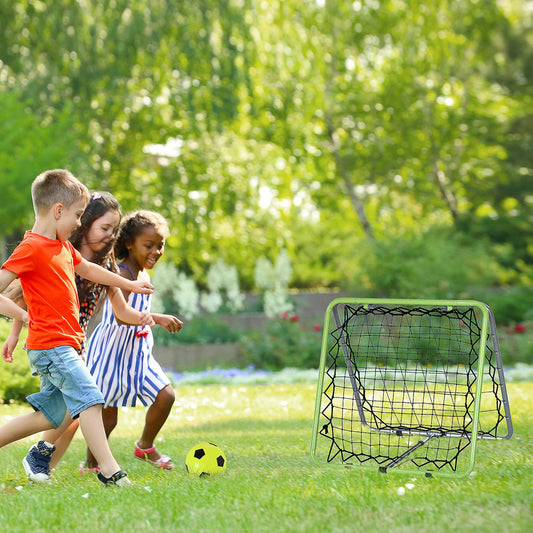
x=45, y=263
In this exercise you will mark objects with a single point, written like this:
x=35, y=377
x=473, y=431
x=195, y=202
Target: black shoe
x=119, y=478
x=37, y=462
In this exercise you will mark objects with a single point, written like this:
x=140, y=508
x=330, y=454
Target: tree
x=28, y=147
x=351, y=121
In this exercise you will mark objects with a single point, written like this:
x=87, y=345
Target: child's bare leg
x=109, y=417
x=59, y=439
x=63, y=441
x=93, y=431
x=156, y=416
x=51, y=435
x=23, y=426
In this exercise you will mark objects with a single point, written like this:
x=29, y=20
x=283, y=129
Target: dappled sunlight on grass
x=271, y=482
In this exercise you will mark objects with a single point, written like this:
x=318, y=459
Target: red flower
x=284, y=315
x=519, y=328
x=316, y=327
x=295, y=318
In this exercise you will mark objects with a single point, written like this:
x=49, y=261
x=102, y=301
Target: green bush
x=516, y=345
x=16, y=381
x=197, y=330
x=511, y=306
x=436, y=264
x=285, y=343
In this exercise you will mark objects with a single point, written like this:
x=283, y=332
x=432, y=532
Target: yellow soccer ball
x=205, y=459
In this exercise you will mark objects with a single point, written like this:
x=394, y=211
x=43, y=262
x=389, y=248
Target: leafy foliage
x=511, y=306
x=435, y=264
x=198, y=330
x=16, y=381
x=285, y=343
x=278, y=121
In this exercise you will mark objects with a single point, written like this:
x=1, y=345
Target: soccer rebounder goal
x=409, y=385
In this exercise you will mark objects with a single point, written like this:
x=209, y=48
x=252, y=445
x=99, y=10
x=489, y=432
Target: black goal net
x=410, y=385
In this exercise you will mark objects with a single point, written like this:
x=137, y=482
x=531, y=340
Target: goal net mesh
x=400, y=384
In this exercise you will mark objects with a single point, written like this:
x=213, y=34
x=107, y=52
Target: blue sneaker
x=37, y=462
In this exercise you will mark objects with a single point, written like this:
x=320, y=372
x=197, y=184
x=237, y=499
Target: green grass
x=271, y=483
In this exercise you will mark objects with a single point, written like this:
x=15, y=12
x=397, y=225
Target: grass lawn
x=271, y=483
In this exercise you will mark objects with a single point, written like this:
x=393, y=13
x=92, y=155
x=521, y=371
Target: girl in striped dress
x=120, y=356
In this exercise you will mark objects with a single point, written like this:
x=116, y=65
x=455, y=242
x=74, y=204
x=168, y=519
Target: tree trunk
x=357, y=202
x=445, y=190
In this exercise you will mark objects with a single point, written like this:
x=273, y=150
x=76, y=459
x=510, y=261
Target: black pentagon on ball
x=220, y=461
x=199, y=453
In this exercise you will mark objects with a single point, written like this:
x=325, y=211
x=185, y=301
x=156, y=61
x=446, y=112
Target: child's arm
x=7, y=307
x=11, y=342
x=15, y=294
x=169, y=322
x=124, y=313
x=102, y=276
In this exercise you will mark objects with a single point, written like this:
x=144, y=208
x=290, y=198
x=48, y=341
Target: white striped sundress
x=120, y=358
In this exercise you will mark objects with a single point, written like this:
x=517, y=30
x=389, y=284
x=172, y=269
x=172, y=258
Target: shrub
x=197, y=330
x=516, y=344
x=285, y=343
x=177, y=293
x=511, y=306
x=437, y=264
x=174, y=292
x=16, y=381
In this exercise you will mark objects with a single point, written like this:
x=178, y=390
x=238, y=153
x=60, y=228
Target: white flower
x=211, y=301
x=276, y=303
x=170, y=283
x=274, y=280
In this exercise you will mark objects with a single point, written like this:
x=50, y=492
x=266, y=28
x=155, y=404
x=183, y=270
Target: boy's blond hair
x=56, y=186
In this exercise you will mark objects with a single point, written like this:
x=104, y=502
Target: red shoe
x=164, y=462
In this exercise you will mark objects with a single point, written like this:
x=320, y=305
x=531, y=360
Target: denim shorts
x=65, y=384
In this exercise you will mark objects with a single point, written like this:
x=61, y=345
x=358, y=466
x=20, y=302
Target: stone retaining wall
x=183, y=357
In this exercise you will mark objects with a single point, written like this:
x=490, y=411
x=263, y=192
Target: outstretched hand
x=171, y=323
x=142, y=286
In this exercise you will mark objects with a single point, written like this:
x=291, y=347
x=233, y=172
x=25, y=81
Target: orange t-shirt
x=45, y=268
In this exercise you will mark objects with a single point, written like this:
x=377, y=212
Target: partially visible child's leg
x=93, y=431
x=83, y=399
x=62, y=442
x=52, y=435
x=156, y=416
x=60, y=437
x=23, y=426
x=110, y=418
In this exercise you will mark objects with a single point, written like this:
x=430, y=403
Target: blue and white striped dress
x=120, y=358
